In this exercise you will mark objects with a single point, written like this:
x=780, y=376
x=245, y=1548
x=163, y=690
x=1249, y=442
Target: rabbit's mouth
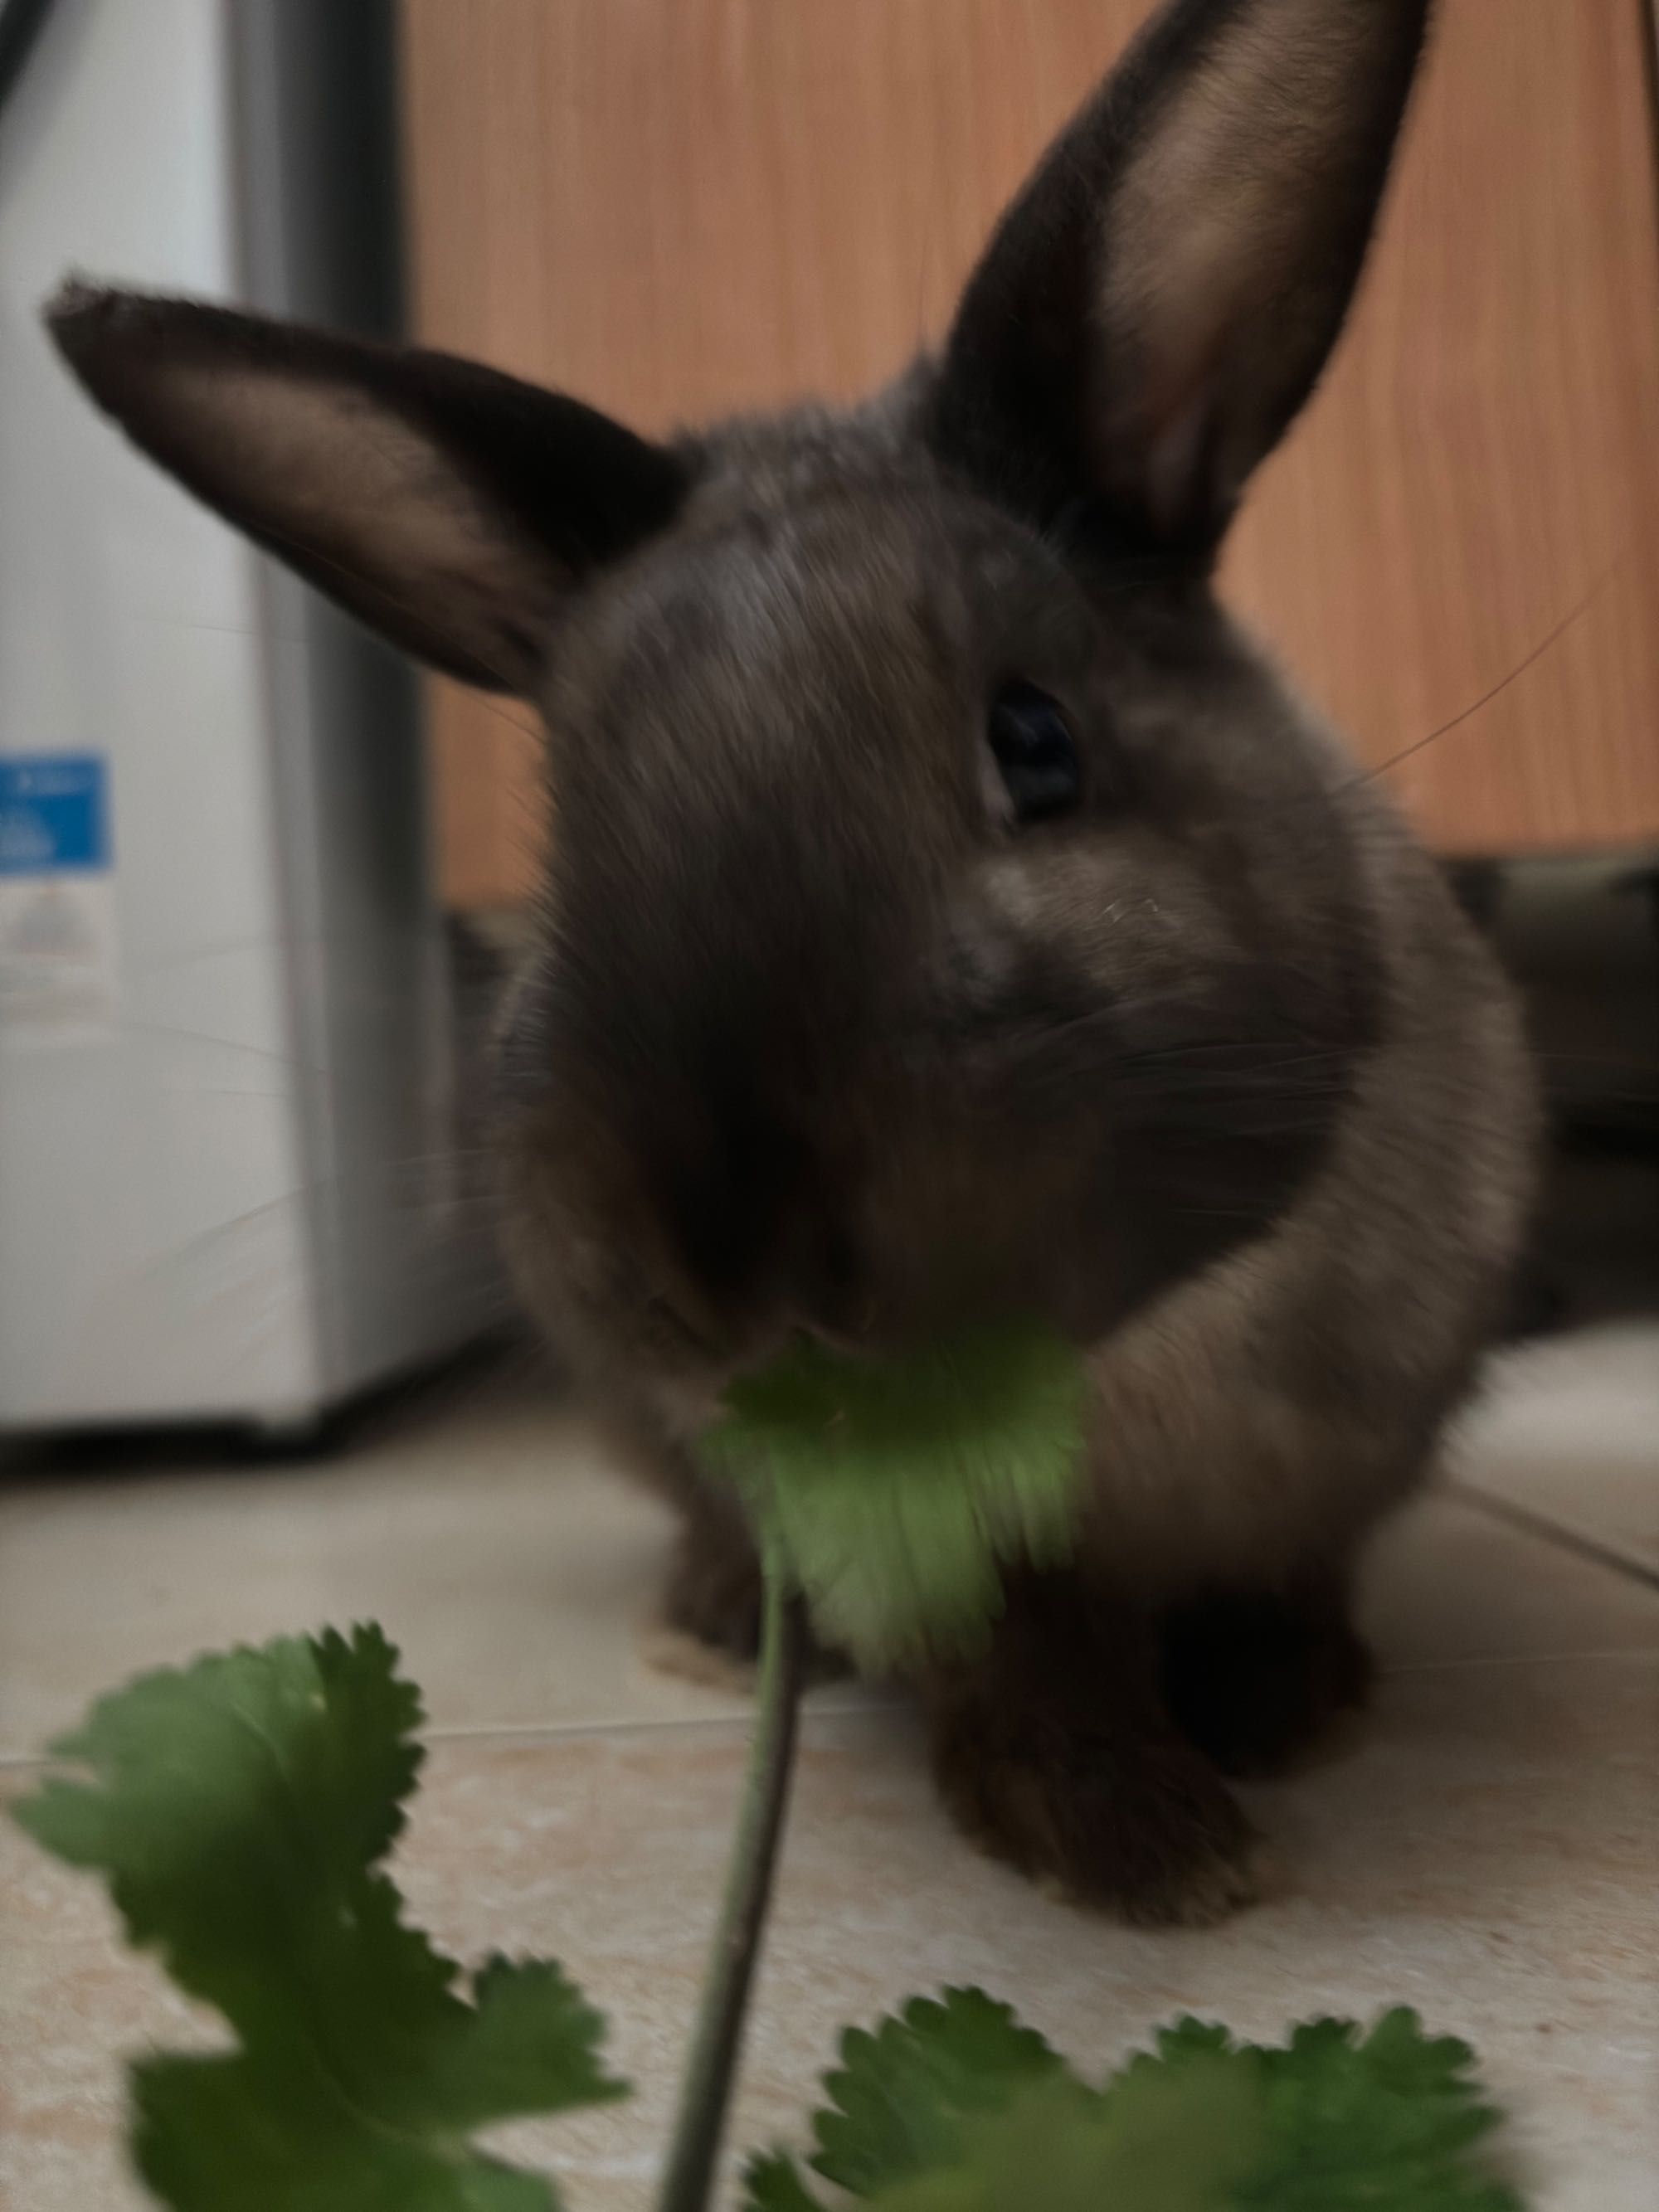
x=688, y=1337
x=692, y=1386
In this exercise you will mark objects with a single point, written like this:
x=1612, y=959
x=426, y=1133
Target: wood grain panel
x=1484, y=458
x=678, y=207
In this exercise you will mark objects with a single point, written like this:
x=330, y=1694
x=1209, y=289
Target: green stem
x=717, y=2040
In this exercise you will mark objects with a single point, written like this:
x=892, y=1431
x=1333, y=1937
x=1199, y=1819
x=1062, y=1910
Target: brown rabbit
x=950, y=913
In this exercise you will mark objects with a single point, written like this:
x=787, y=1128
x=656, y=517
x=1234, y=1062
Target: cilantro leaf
x=214, y=2133
x=1164, y=2146
x=955, y=2107
x=904, y=2101
x=899, y=2101
x=1387, y=2119
x=893, y=1489
x=773, y=2184
x=240, y=1809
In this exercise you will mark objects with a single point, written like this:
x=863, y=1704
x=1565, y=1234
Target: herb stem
x=717, y=2040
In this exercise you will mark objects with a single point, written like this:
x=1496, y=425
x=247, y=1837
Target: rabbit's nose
x=747, y=1223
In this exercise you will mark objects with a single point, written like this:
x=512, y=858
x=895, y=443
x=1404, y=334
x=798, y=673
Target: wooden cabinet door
x=676, y=207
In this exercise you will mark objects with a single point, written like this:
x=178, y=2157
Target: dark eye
x=1034, y=752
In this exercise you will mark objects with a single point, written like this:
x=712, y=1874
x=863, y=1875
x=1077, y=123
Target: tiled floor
x=1488, y=1851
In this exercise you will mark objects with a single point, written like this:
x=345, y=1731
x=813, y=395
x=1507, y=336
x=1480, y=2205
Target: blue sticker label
x=54, y=813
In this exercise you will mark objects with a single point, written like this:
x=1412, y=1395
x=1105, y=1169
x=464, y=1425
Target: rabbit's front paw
x=1147, y=1832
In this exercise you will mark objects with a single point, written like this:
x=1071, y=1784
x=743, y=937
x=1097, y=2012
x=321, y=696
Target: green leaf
x=1162, y=2144
x=954, y=2107
x=894, y=1489
x=1386, y=2119
x=240, y=1809
x=211, y=2133
x=773, y=2184
x=900, y=2101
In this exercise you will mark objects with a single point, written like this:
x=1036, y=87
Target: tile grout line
x=447, y=1732
x=576, y=1731
x=555, y=1732
x=1558, y=1534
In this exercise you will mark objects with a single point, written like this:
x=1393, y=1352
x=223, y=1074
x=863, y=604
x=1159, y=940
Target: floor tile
x=1567, y=1430
x=1446, y=1583
x=492, y=1538
x=1484, y=1853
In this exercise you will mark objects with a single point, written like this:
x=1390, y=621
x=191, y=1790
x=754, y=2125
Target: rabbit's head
x=945, y=911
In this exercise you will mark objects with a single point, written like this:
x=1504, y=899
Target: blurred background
x=258, y=885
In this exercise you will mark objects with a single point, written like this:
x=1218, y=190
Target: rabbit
x=951, y=913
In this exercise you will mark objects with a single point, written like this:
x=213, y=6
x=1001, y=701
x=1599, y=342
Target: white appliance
x=228, y=1188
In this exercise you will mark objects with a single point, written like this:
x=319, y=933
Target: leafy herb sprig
x=242, y=1809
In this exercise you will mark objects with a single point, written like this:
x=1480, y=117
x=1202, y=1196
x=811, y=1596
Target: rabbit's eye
x=1034, y=752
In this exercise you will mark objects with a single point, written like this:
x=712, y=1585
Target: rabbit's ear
x=1158, y=302
x=448, y=506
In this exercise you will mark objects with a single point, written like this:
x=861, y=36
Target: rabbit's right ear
x=450, y=507
x=1160, y=299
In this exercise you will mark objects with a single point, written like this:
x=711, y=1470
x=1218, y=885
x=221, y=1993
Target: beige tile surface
x=493, y=1537
x=1568, y=1431
x=1488, y=1851
x=487, y=1532
x=1487, y=1855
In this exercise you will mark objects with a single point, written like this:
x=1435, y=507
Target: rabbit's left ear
x=1160, y=299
